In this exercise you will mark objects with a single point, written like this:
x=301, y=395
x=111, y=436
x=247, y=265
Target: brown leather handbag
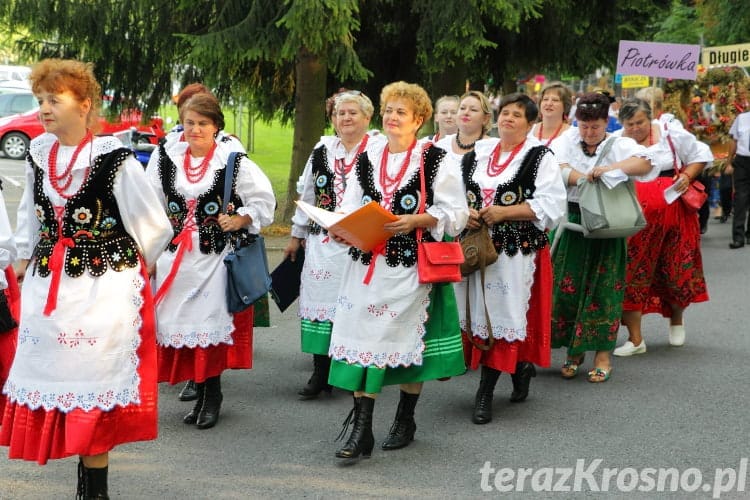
x=479, y=250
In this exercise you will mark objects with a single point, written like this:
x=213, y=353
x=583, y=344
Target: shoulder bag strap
x=228, y=178
x=422, y=188
x=605, y=151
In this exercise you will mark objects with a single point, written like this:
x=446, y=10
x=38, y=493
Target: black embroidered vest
x=512, y=236
x=208, y=206
x=91, y=220
x=324, y=177
x=400, y=249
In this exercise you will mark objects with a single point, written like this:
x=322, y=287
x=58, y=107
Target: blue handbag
x=247, y=265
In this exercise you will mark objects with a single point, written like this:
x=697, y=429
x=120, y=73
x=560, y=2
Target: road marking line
x=11, y=180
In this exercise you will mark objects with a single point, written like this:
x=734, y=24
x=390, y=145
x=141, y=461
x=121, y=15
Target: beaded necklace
x=342, y=169
x=557, y=132
x=195, y=174
x=493, y=169
x=67, y=175
x=462, y=145
x=584, y=147
x=390, y=184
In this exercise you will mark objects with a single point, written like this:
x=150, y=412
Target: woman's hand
x=492, y=215
x=597, y=172
x=404, y=225
x=290, y=252
x=235, y=222
x=475, y=221
x=20, y=269
x=681, y=182
x=338, y=238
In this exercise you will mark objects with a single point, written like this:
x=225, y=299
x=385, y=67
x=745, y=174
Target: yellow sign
x=634, y=81
x=726, y=55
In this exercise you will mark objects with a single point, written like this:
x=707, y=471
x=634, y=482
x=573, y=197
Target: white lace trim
x=180, y=337
x=105, y=400
x=384, y=359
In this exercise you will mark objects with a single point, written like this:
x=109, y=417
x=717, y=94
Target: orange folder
x=362, y=228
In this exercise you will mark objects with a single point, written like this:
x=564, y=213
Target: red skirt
x=9, y=339
x=664, y=259
x=180, y=364
x=536, y=348
x=39, y=435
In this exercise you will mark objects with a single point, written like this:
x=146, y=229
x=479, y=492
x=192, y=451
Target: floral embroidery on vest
x=514, y=236
x=91, y=220
x=211, y=238
x=324, y=178
x=400, y=249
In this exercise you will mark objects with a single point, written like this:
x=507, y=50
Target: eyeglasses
x=590, y=105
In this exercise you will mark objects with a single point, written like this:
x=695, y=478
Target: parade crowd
x=123, y=281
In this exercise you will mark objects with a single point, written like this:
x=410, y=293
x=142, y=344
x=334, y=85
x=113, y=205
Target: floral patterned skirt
x=589, y=286
x=199, y=363
x=442, y=357
x=664, y=259
x=504, y=355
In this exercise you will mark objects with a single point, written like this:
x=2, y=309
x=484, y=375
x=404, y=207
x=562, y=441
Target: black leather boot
x=403, y=428
x=92, y=483
x=319, y=380
x=209, y=414
x=192, y=417
x=189, y=392
x=483, y=401
x=521, y=380
x=361, y=441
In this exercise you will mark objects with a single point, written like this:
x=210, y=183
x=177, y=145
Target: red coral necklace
x=557, y=132
x=390, y=184
x=493, y=169
x=67, y=175
x=195, y=174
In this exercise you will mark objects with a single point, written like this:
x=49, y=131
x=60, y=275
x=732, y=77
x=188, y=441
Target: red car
x=17, y=131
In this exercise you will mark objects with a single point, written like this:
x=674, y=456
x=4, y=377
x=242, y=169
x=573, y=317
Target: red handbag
x=695, y=195
x=437, y=261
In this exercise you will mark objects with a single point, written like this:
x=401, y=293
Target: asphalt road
x=684, y=408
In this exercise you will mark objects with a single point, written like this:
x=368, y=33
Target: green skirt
x=443, y=355
x=261, y=313
x=589, y=287
x=316, y=336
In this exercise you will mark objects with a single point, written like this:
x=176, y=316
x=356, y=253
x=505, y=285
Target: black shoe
x=723, y=218
x=736, y=244
x=92, y=483
x=192, y=417
x=403, y=428
x=319, y=380
x=521, y=380
x=361, y=441
x=483, y=400
x=209, y=414
x=188, y=393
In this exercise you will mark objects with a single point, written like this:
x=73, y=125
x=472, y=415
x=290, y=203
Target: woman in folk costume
x=389, y=328
x=198, y=337
x=589, y=274
x=84, y=376
x=665, y=267
x=514, y=186
x=328, y=172
x=189, y=391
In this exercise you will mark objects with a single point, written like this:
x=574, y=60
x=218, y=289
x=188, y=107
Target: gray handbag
x=609, y=213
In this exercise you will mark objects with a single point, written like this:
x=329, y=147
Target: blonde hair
x=484, y=103
x=410, y=92
x=60, y=75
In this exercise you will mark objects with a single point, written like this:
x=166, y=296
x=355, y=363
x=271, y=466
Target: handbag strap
x=674, y=152
x=422, y=189
x=605, y=151
x=228, y=178
x=490, y=337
